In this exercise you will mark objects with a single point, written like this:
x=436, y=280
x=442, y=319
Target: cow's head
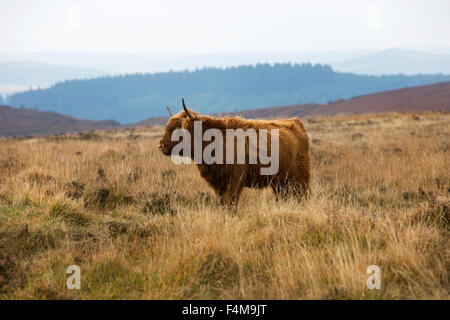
x=182, y=120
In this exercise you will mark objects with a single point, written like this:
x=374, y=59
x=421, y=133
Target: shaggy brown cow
x=228, y=180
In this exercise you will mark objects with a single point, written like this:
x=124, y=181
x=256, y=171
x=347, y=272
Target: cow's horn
x=170, y=112
x=188, y=113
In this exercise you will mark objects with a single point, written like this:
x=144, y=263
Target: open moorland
x=141, y=227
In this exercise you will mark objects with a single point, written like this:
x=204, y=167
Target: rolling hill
x=122, y=63
x=396, y=61
x=422, y=98
x=133, y=98
x=26, y=122
x=28, y=73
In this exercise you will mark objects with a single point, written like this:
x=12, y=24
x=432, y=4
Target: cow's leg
x=300, y=187
x=281, y=190
x=231, y=194
x=221, y=194
x=221, y=188
x=235, y=193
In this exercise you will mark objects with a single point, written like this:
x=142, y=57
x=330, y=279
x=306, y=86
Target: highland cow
x=228, y=180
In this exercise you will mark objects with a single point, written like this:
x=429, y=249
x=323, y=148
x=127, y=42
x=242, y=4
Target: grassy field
x=141, y=227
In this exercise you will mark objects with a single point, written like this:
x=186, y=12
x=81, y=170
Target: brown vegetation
x=141, y=227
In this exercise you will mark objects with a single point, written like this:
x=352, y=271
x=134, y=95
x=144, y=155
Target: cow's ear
x=170, y=112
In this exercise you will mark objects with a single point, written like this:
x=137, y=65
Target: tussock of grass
x=141, y=227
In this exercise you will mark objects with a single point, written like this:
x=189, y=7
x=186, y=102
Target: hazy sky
x=201, y=27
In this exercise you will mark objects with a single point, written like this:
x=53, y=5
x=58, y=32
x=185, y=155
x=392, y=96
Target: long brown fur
x=228, y=180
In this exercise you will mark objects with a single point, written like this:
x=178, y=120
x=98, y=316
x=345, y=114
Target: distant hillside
x=26, y=73
x=25, y=122
x=424, y=98
x=132, y=98
x=396, y=61
x=120, y=63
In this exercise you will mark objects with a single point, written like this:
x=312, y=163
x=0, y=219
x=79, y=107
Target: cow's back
x=293, y=151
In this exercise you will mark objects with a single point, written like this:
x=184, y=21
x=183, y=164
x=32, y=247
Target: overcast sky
x=232, y=26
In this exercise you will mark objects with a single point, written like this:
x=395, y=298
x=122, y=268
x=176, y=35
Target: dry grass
x=141, y=227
